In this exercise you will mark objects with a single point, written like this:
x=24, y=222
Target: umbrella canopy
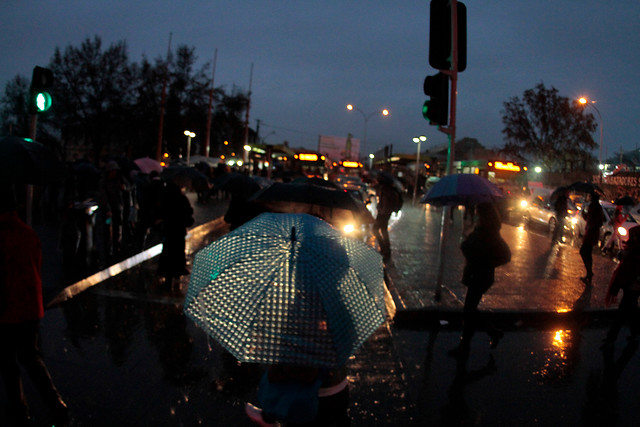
x=187, y=177
x=24, y=161
x=586, y=187
x=333, y=204
x=462, y=189
x=148, y=165
x=238, y=184
x=287, y=289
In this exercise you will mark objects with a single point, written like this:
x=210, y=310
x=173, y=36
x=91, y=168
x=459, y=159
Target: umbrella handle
x=293, y=234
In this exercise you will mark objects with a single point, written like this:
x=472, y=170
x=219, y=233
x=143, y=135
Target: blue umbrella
x=462, y=189
x=287, y=289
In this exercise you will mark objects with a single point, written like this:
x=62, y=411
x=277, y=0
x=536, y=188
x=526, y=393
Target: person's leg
x=16, y=404
x=30, y=357
x=587, y=258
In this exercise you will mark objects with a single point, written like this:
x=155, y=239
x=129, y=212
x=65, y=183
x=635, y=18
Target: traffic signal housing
x=39, y=93
x=440, y=35
x=436, y=109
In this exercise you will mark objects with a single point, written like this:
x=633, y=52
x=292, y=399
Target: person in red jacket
x=21, y=309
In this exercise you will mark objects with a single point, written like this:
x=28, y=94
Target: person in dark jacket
x=594, y=218
x=388, y=201
x=626, y=277
x=483, y=250
x=177, y=215
x=21, y=309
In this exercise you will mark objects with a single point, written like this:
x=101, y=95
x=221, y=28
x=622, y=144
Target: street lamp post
x=366, y=118
x=417, y=140
x=585, y=101
x=371, y=157
x=189, y=135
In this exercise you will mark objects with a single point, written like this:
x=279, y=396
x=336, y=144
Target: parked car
x=538, y=211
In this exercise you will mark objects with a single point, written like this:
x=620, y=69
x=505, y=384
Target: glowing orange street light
x=584, y=101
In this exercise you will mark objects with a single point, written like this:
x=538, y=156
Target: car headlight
x=574, y=220
x=349, y=228
x=523, y=203
x=622, y=231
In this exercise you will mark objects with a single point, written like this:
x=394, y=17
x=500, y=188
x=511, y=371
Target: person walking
x=594, y=218
x=626, y=277
x=176, y=214
x=484, y=250
x=560, y=207
x=21, y=309
x=389, y=201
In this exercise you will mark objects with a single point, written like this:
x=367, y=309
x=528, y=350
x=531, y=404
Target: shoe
x=255, y=414
x=495, y=338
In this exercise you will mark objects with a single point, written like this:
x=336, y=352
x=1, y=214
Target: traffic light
x=436, y=109
x=440, y=35
x=39, y=96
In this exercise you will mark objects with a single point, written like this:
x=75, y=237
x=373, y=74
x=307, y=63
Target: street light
x=418, y=140
x=371, y=157
x=189, y=135
x=585, y=101
x=366, y=118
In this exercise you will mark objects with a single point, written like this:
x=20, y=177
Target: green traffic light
x=43, y=101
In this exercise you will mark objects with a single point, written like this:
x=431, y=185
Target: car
x=537, y=211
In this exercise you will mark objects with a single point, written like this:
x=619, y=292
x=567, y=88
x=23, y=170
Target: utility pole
x=245, y=139
x=207, y=139
x=164, y=92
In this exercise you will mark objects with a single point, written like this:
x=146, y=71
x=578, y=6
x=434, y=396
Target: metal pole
x=207, y=138
x=162, y=100
x=415, y=185
x=451, y=132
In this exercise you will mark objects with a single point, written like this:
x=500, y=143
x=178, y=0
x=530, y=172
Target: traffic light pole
x=451, y=133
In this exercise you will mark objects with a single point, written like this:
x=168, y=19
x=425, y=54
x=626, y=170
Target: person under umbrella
x=389, y=201
x=560, y=206
x=290, y=291
x=176, y=214
x=484, y=250
x=594, y=218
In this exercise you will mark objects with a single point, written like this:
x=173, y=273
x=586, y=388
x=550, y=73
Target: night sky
x=312, y=58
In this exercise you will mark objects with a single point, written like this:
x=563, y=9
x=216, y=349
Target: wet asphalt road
x=123, y=354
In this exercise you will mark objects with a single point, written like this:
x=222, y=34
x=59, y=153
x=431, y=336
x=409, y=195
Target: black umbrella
x=25, y=161
x=238, y=184
x=186, y=177
x=316, y=181
x=585, y=187
x=626, y=201
x=291, y=197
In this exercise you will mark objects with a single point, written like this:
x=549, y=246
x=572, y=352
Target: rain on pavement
x=123, y=353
